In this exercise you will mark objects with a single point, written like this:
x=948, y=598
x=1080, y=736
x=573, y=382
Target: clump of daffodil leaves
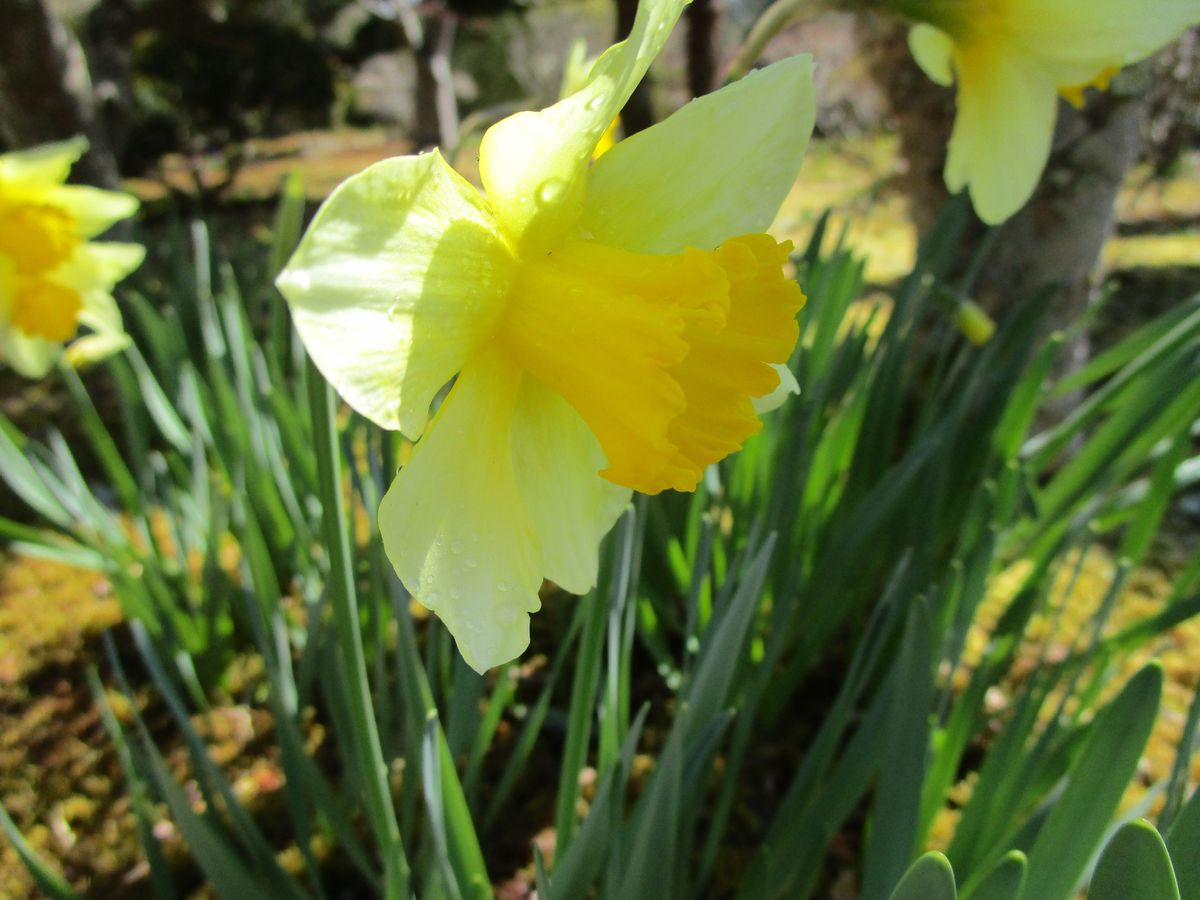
x=53, y=277
x=608, y=325
x=1012, y=59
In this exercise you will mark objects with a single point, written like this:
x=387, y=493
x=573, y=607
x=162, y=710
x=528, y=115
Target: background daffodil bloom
x=1011, y=60
x=609, y=325
x=53, y=277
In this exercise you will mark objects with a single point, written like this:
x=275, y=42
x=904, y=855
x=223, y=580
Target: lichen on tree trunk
x=45, y=89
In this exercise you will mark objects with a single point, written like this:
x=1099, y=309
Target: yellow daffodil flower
x=53, y=277
x=609, y=325
x=1012, y=59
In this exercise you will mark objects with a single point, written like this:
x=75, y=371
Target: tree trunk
x=701, y=47
x=108, y=36
x=45, y=89
x=437, y=105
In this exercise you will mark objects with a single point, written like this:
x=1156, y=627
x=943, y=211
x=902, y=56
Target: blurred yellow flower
x=53, y=277
x=1011, y=60
x=610, y=325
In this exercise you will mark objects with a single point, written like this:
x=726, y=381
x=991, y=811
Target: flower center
x=660, y=355
x=36, y=239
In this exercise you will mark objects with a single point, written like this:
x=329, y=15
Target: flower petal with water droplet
x=396, y=285
x=458, y=492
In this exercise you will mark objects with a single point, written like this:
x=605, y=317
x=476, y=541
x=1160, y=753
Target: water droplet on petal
x=552, y=190
x=456, y=548
x=502, y=587
x=596, y=102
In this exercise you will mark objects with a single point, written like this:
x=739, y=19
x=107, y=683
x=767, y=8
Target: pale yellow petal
x=396, y=284
x=788, y=386
x=99, y=265
x=454, y=524
x=30, y=355
x=720, y=166
x=94, y=210
x=933, y=50
x=1080, y=38
x=41, y=166
x=1002, y=131
x=558, y=463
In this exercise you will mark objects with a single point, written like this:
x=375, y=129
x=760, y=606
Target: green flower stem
x=336, y=538
x=773, y=20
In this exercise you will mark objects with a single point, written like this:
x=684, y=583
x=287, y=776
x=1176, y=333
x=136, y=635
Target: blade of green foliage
x=1069, y=837
x=929, y=878
x=214, y=786
x=723, y=643
x=1182, y=840
x=1005, y=881
x=459, y=856
x=906, y=736
x=1134, y=866
x=161, y=878
x=1136, y=358
x=26, y=482
x=47, y=879
x=1177, y=323
x=534, y=720
x=576, y=870
x=1182, y=768
x=344, y=603
x=587, y=679
x=826, y=781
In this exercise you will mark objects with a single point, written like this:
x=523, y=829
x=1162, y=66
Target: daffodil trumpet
x=1011, y=60
x=53, y=277
x=608, y=326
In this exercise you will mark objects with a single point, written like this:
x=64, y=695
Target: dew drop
x=502, y=587
x=552, y=190
x=456, y=548
x=596, y=102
